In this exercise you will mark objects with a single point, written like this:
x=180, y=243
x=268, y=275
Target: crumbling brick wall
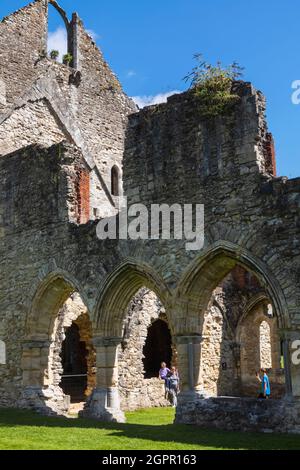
x=270, y=154
x=83, y=195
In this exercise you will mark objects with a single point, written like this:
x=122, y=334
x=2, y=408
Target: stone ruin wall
x=216, y=350
x=228, y=165
x=73, y=311
x=234, y=346
x=135, y=391
x=221, y=373
x=89, y=96
x=33, y=123
x=22, y=44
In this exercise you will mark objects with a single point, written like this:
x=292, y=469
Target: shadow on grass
x=181, y=434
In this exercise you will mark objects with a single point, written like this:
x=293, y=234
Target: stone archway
x=207, y=271
x=205, y=287
x=72, y=357
x=260, y=348
x=41, y=362
x=118, y=290
x=146, y=342
x=157, y=348
x=194, y=297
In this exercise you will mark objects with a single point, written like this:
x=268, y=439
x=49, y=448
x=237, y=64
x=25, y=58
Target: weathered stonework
x=31, y=124
x=62, y=130
x=242, y=414
x=135, y=390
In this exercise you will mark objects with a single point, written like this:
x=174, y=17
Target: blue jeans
x=173, y=393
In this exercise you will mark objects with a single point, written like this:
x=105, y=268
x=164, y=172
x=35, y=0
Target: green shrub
x=212, y=85
x=67, y=59
x=54, y=54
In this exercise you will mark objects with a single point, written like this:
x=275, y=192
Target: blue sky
x=150, y=45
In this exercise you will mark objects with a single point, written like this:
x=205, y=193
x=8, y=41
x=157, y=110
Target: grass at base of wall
x=145, y=430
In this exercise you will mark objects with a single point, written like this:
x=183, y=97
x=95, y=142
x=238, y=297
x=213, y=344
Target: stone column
x=36, y=393
x=104, y=402
x=34, y=362
x=189, y=365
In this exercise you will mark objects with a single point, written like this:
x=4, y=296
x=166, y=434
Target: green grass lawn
x=144, y=430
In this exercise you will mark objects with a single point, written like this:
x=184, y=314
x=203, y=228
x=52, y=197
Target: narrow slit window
x=115, y=181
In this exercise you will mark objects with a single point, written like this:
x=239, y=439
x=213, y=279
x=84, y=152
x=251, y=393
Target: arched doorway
x=260, y=348
x=222, y=286
x=58, y=346
x=265, y=345
x=72, y=358
x=236, y=343
x=157, y=349
x=74, y=363
x=146, y=342
x=122, y=323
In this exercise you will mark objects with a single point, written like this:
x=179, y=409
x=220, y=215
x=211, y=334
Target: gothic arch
x=119, y=288
x=257, y=300
x=53, y=291
x=208, y=270
x=62, y=13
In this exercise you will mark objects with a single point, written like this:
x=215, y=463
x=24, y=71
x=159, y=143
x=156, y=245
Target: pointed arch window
x=265, y=345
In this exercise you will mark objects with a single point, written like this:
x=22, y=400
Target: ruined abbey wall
x=31, y=124
x=55, y=184
x=23, y=37
x=87, y=102
x=135, y=391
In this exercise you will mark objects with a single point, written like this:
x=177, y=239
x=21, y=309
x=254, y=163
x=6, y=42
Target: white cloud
x=143, y=101
x=93, y=34
x=58, y=41
x=130, y=74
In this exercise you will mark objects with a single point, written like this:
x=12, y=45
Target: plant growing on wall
x=54, y=54
x=213, y=85
x=67, y=59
